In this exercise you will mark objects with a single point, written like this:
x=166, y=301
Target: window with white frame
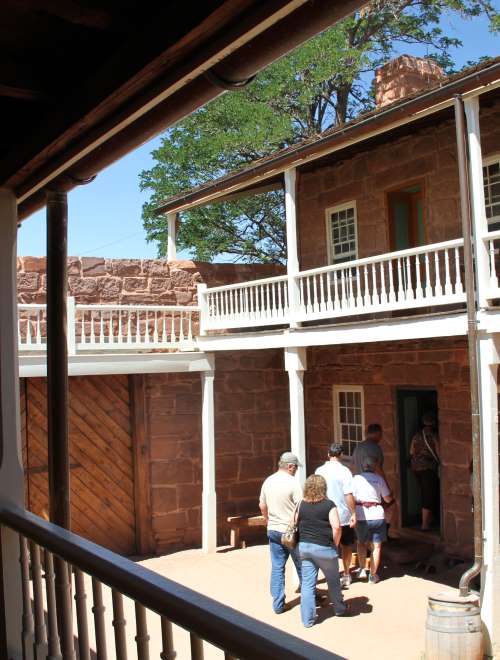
x=342, y=233
x=491, y=180
x=349, y=416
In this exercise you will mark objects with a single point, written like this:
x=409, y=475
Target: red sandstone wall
x=251, y=430
x=381, y=368
x=134, y=281
x=428, y=155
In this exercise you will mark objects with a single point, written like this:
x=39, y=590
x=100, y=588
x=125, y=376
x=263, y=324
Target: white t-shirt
x=280, y=493
x=369, y=487
x=338, y=479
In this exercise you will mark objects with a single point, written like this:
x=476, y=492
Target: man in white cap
x=279, y=496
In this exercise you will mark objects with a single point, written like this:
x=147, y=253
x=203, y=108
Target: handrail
x=133, y=308
x=218, y=624
x=387, y=256
x=249, y=283
x=491, y=235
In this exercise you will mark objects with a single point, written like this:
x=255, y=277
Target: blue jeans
x=279, y=555
x=315, y=557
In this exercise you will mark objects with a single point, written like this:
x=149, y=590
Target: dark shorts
x=348, y=535
x=428, y=481
x=371, y=530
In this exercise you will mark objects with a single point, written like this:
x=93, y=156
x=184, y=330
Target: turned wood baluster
x=111, y=335
x=65, y=609
x=419, y=294
x=401, y=293
x=383, y=290
x=367, y=300
x=142, y=637
x=196, y=647
x=167, y=640
x=344, y=302
x=359, y=298
x=54, y=646
x=493, y=269
x=428, y=283
x=101, y=327
x=27, y=621
x=409, y=282
x=458, y=275
x=119, y=624
x=81, y=615
x=448, y=287
x=99, y=624
x=437, y=289
x=36, y=573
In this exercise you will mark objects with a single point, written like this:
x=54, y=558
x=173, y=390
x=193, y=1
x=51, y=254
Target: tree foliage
x=324, y=83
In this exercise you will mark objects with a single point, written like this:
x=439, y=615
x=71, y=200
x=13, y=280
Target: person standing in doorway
x=370, y=490
x=424, y=453
x=338, y=479
x=279, y=497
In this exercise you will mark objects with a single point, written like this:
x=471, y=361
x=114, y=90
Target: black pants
x=428, y=481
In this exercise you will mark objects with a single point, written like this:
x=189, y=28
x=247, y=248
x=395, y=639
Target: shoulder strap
x=431, y=451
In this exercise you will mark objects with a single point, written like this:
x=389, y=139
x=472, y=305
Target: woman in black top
x=319, y=536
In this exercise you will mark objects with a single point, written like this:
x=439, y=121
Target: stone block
x=166, y=473
x=246, y=489
x=155, y=267
x=109, y=288
x=183, y=297
x=126, y=267
x=74, y=266
x=34, y=264
x=189, y=496
x=135, y=283
x=180, y=277
x=93, y=266
x=256, y=467
x=160, y=284
x=28, y=282
x=226, y=467
x=170, y=522
x=163, y=499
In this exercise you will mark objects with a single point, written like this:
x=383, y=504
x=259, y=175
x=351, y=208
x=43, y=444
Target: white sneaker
x=373, y=579
x=345, y=581
x=362, y=574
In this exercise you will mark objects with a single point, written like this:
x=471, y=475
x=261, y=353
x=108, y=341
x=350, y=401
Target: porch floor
x=388, y=619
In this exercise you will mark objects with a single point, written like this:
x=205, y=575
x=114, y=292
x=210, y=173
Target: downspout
x=472, y=333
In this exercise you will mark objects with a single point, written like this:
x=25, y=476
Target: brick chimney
x=404, y=76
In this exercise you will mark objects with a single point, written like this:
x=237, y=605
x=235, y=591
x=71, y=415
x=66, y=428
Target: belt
x=368, y=504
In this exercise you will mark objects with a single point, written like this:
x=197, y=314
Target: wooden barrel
x=453, y=629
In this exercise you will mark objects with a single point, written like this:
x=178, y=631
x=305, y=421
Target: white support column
x=292, y=262
x=172, y=236
x=296, y=364
x=479, y=221
x=11, y=468
x=490, y=578
x=209, y=496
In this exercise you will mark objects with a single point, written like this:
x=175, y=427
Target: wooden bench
x=237, y=523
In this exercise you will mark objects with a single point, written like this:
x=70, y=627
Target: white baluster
x=120, y=330
x=269, y=308
x=280, y=301
x=129, y=326
x=173, y=338
x=322, y=300
x=181, y=327
x=101, y=326
x=248, y=314
x=359, y=298
x=190, y=326
x=401, y=292
x=92, y=329
x=419, y=294
x=315, y=294
x=409, y=283
x=344, y=301
x=240, y=303
x=303, y=306
x=337, y=302
x=367, y=299
x=83, y=338
x=438, y=291
x=309, y=308
x=155, y=328
x=111, y=337
x=329, y=303
x=493, y=267
x=285, y=293
x=459, y=289
x=383, y=291
x=350, y=286
x=428, y=283
x=38, y=328
x=137, y=327
x=392, y=292
x=260, y=289
x=375, y=293
x=448, y=287
x=19, y=333
x=164, y=336
x=146, y=328
x=28, y=330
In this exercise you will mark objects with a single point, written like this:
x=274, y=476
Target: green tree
x=322, y=84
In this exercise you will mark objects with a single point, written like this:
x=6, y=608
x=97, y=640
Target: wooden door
x=101, y=458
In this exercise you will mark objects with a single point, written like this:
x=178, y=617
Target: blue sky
x=105, y=216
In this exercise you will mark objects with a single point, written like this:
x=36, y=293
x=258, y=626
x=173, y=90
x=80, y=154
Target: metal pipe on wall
x=57, y=358
x=465, y=212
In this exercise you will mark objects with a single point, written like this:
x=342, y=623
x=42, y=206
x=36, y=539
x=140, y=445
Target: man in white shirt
x=279, y=496
x=369, y=490
x=338, y=479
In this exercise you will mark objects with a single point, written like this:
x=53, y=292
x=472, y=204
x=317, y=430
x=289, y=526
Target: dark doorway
x=406, y=217
x=412, y=404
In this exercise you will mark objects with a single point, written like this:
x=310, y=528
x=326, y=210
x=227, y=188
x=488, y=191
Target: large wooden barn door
x=101, y=455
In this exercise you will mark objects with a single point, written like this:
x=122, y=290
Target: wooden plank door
x=101, y=457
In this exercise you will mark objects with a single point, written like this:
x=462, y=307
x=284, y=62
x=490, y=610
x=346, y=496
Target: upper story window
x=491, y=179
x=342, y=233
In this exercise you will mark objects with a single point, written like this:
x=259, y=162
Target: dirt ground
x=387, y=621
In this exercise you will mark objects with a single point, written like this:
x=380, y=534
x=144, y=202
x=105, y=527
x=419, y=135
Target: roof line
x=379, y=121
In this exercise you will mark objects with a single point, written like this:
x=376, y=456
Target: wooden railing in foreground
x=50, y=550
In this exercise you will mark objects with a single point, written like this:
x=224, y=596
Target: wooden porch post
x=11, y=469
x=57, y=358
x=295, y=365
x=209, y=496
x=172, y=237
x=292, y=261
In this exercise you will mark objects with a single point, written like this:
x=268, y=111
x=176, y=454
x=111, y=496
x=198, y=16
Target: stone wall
x=134, y=281
x=428, y=155
x=251, y=431
x=382, y=368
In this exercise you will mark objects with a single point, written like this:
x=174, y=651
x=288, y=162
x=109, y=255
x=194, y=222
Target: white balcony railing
x=492, y=240
x=103, y=328
x=424, y=277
